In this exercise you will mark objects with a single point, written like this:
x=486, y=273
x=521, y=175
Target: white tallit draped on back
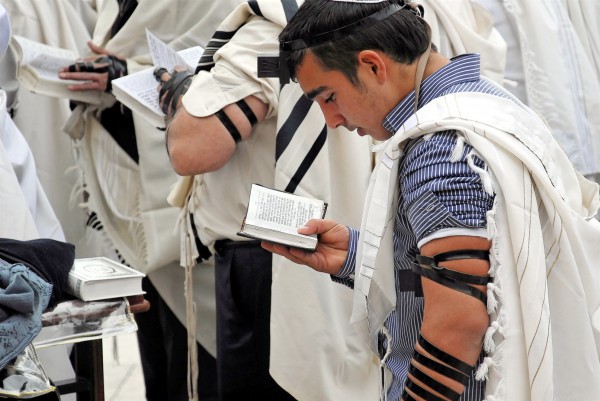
x=543, y=342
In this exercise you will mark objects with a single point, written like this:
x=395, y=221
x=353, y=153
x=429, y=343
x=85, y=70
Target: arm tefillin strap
x=115, y=67
x=451, y=367
x=171, y=91
x=230, y=126
x=247, y=111
x=428, y=267
x=418, y=382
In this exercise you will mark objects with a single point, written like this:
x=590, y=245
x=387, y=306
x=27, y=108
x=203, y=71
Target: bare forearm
x=453, y=321
x=203, y=144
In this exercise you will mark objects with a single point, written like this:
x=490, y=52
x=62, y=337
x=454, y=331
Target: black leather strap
x=421, y=392
x=434, y=275
x=462, y=254
x=115, y=67
x=433, y=384
x=231, y=128
x=427, y=262
x=407, y=397
x=448, y=359
x=247, y=111
x=171, y=91
x=428, y=267
x=441, y=369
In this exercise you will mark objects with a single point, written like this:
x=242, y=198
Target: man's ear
x=373, y=64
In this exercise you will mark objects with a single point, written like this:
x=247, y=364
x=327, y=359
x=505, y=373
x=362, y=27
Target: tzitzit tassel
x=459, y=149
x=486, y=179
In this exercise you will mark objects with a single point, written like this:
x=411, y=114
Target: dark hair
x=402, y=36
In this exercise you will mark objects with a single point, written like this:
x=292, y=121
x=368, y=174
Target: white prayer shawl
x=40, y=118
x=459, y=27
x=585, y=17
x=129, y=199
x=308, y=364
x=16, y=220
x=543, y=341
x=561, y=73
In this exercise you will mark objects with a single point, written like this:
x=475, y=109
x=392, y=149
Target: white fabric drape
x=544, y=337
x=40, y=118
x=559, y=51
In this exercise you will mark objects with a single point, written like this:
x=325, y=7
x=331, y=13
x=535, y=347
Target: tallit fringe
x=493, y=338
x=190, y=317
x=77, y=198
x=486, y=179
x=459, y=149
x=496, y=326
x=382, y=383
x=78, y=190
x=489, y=363
x=188, y=261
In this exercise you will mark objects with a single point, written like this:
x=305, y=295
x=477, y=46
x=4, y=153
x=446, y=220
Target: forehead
x=310, y=73
x=314, y=78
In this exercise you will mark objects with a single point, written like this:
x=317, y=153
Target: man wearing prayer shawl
x=126, y=177
x=473, y=271
x=302, y=360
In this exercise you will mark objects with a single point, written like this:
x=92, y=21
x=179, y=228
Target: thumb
x=316, y=226
x=96, y=49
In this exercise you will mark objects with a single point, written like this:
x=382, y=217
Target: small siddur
x=98, y=278
x=275, y=216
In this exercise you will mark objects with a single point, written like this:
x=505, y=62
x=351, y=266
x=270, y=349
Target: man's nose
x=333, y=118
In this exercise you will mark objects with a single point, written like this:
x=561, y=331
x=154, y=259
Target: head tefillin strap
x=272, y=66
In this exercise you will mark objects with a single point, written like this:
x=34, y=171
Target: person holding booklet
x=126, y=178
x=226, y=132
x=473, y=268
x=305, y=155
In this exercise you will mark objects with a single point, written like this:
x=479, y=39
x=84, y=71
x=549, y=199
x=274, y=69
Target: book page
x=163, y=55
x=32, y=49
x=142, y=86
x=280, y=211
x=46, y=60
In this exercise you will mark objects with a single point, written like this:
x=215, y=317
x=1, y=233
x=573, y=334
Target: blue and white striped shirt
x=434, y=194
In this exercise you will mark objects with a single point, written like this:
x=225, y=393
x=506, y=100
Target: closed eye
x=330, y=99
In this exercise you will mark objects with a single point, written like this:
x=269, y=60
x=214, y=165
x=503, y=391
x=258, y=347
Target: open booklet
x=275, y=216
x=38, y=65
x=138, y=91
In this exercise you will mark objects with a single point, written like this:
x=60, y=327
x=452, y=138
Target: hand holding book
x=293, y=226
x=94, y=72
x=331, y=250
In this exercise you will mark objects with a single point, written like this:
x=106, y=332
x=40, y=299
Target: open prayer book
x=37, y=70
x=275, y=216
x=91, y=279
x=139, y=92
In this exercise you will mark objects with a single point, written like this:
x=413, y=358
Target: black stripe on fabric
x=308, y=161
x=289, y=128
x=289, y=8
x=218, y=40
x=223, y=35
x=255, y=8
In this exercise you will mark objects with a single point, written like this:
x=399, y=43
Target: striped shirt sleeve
x=346, y=274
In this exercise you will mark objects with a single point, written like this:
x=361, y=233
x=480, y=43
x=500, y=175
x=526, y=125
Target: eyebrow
x=315, y=92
